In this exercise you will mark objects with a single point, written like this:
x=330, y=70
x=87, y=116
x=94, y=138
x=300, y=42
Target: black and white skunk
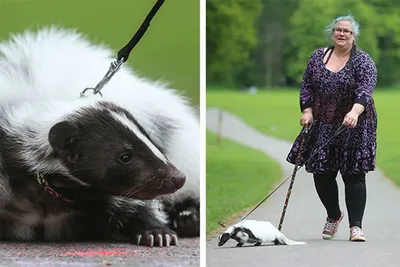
x=56, y=63
x=81, y=170
x=255, y=232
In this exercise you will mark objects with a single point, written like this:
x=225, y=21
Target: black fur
x=247, y=231
x=99, y=151
x=184, y=216
x=226, y=236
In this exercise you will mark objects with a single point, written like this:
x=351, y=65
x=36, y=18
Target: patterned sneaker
x=356, y=234
x=331, y=227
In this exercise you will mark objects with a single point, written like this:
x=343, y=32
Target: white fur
x=125, y=121
x=264, y=231
x=59, y=63
x=39, y=117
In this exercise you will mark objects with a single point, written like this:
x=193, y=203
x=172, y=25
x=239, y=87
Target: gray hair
x=356, y=27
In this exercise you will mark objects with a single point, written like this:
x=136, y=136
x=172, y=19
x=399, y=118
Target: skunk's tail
x=283, y=240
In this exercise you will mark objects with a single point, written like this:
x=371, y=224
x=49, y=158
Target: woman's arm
x=365, y=81
x=306, y=90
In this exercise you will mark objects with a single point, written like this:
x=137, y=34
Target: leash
x=123, y=54
x=305, y=132
x=296, y=168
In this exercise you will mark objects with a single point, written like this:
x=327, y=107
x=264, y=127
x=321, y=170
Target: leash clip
x=123, y=54
x=114, y=67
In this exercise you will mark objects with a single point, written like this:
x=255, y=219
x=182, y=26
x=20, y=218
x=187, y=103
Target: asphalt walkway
x=305, y=216
x=99, y=254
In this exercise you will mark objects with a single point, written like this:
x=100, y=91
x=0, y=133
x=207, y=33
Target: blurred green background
x=169, y=50
x=267, y=43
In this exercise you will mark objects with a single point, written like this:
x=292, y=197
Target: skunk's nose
x=178, y=178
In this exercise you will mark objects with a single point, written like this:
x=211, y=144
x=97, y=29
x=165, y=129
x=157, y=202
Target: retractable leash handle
x=123, y=53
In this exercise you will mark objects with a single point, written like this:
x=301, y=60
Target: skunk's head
x=226, y=235
x=105, y=147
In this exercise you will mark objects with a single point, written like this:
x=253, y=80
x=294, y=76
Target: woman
x=337, y=89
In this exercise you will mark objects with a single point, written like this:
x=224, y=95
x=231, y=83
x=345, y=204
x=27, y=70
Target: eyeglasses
x=345, y=31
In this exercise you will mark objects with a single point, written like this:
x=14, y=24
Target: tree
x=230, y=38
x=308, y=34
x=273, y=29
x=379, y=34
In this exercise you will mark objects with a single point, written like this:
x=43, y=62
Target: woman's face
x=343, y=35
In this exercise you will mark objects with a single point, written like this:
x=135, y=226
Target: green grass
x=273, y=112
x=276, y=112
x=169, y=50
x=237, y=178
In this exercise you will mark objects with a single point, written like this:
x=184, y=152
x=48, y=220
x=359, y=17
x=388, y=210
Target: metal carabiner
x=114, y=67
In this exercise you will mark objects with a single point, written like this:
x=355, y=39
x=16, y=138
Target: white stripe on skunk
x=255, y=232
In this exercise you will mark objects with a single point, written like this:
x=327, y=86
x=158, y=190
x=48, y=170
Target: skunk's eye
x=125, y=158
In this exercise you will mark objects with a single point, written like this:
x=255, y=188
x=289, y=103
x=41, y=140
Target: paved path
x=305, y=216
x=95, y=254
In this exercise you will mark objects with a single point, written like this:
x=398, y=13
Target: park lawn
x=238, y=178
x=276, y=112
x=169, y=50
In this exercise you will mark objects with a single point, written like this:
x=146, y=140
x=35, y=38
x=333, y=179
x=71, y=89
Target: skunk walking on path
x=81, y=170
x=56, y=63
x=255, y=232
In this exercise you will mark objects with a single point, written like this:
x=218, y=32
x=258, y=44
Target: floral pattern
x=331, y=96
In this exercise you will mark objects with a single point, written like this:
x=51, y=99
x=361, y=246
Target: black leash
x=123, y=54
x=296, y=168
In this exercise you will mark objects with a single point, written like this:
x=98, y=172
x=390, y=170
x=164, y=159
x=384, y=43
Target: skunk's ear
x=63, y=138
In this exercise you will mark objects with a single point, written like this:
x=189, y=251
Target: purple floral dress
x=331, y=96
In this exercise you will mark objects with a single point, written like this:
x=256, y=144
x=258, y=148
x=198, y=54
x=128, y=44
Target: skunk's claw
x=157, y=237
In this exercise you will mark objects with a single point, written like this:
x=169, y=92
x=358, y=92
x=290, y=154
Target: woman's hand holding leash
x=307, y=118
x=351, y=118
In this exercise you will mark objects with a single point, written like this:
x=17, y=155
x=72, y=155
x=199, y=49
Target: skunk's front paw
x=157, y=237
x=188, y=222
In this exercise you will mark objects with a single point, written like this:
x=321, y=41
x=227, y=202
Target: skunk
x=81, y=170
x=58, y=63
x=255, y=232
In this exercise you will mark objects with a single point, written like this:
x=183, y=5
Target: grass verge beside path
x=237, y=178
x=277, y=113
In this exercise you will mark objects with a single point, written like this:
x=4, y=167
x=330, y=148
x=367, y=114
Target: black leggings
x=355, y=195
